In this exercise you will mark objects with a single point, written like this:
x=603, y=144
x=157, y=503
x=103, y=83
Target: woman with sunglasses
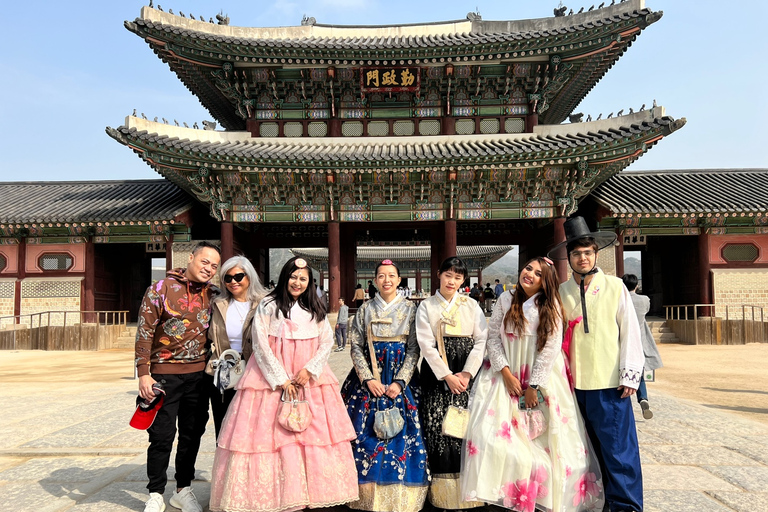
x=230, y=328
x=260, y=464
x=391, y=465
x=451, y=330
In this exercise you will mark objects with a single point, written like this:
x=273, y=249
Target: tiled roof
x=91, y=201
x=685, y=191
x=319, y=151
x=405, y=253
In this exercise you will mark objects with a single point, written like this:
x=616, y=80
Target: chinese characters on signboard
x=390, y=79
x=634, y=239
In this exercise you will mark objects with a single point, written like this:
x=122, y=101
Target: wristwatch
x=534, y=386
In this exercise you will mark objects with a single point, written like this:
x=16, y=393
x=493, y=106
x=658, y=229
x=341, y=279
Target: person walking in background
x=498, y=289
x=171, y=351
x=526, y=444
x=451, y=330
x=371, y=290
x=488, y=297
x=261, y=465
x=391, y=465
x=359, y=297
x=341, y=326
x=476, y=293
x=651, y=352
x=606, y=354
x=231, y=319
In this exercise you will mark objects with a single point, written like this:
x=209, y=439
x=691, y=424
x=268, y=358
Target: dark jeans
x=219, y=403
x=642, y=390
x=341, y=335
x=186, y=400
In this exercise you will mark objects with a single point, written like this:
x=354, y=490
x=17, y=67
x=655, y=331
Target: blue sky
x=70, y=69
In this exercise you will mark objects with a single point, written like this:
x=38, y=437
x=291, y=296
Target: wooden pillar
x=705, y=285
x=560, y=265
x=448, y=125
x=480, y=277
x=449, y=239
x=169, y=252
x=21, y=274
x=252, y=126
x=436, y=249
x=89, y=282
x=334, y=257
x=348, y=263
x=334, y=127
x=531, y=120
x=227, y=240
x=619, y=254
x=418, y=277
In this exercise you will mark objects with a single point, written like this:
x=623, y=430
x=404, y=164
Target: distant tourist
x=452, y=330
x=606, y=355
x=341, y=326
x=371, y=290
x=498, y=289
x=170, y=351
x=476, y=293
x=359, y=297
x=650, y=351
x=488, y=296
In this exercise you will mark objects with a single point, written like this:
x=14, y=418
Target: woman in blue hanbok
x=392, y=474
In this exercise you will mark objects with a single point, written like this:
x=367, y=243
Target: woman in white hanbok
x=526, y=447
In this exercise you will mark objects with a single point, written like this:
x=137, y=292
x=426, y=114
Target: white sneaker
x=155, y=503
x=185, y=500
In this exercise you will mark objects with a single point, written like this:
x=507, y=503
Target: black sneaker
x=646, y=407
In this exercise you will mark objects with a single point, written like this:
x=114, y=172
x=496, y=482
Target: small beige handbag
x=456, y=421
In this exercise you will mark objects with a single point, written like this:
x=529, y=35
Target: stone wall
x=735, y=287
x=7, y=295
x=51, y=294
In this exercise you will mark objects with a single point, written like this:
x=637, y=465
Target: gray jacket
x=642, y=306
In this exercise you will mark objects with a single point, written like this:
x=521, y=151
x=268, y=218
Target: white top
x=545, y=360
x=269, y=321
x=235, y=318
x=470, y=322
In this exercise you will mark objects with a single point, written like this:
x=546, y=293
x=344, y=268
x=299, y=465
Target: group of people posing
x=527, y=411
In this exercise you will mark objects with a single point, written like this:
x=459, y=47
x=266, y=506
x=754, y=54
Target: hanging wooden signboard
x=390, y=79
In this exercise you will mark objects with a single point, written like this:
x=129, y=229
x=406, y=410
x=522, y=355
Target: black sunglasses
x=236, y=277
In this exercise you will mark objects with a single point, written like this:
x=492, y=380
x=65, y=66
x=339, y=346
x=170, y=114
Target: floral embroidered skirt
x=444, y=452
x=393, y=474
x=259, y=466
x=556, y=471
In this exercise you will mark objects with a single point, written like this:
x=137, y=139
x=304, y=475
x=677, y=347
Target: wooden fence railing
x=62, y=330
x=712, y=324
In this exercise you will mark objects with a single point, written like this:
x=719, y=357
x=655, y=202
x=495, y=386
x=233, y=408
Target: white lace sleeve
x=325, y=342
x=480, y=335
x=495, y=349
x=631, y=357
x=544, y=360
x=428, y=343
x=270, y=367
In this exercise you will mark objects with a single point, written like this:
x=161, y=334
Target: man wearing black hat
x=605, y=351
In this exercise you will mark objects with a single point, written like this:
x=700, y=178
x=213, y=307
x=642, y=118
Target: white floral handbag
x=227, y=369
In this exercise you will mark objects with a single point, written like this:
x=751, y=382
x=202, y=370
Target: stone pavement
x=65, y=443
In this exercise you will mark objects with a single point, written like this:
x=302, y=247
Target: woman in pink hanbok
x=526, y=447
x=259, y=465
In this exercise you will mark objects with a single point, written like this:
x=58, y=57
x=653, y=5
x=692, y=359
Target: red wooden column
x=619, y=254
x=21, y=265
x=449, y=240
x=347, y=263
x=560, y=265
x=418, y=278
x=227, y=240
x=334, y=261
x=705, y=285
x=89, y=281
x=437, y=236
x=169, y=252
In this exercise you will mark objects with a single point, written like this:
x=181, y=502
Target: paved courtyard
x=65, y=443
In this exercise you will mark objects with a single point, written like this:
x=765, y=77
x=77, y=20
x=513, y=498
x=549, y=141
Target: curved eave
x=593, y=40
x=600, y=142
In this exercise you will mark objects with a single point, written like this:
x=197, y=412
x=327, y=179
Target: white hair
x=255, y=291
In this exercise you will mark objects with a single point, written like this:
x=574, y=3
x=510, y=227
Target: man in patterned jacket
x=170, y=350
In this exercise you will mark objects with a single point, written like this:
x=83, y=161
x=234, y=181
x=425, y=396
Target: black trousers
x=219, y=402
x=186, y=401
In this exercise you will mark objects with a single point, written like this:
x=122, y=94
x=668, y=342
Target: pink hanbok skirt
x=259, y=466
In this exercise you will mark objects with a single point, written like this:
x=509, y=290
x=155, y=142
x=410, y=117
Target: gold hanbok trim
x=390, y=498
x=445, y=492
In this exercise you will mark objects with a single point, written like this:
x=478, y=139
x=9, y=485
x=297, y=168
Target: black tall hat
x=576, y=228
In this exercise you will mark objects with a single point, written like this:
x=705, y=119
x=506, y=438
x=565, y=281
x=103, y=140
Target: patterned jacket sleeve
x=545, y=360
x=412, y=351
x=480, y=335
x=317, y=363
x=496, y=354
x=631, y=358
x=358, y=345
x=150, y=313
x=270, y=367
